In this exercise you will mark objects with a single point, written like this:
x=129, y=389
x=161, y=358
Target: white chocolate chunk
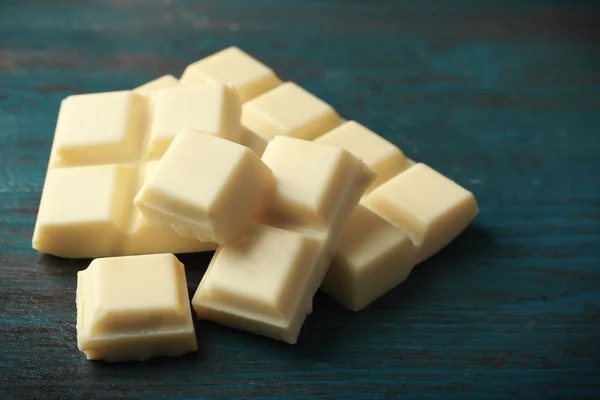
x=265, y=282
x=82, y=210
x=212, y=108
x=142, y=238
x=162, y=82
x=289, y=110
x=310, y=179
x=262, y=272
x=205, y=187
x=232, y=291
x=100, y=128
x=380, y=155
x=134, y=308
x=373, y=258
x=233, y=67
x=429, y=207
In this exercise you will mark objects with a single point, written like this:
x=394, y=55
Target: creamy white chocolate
x=317, y=187
x=430, y=208
x=105, y=136
x=134, y=308
x=142, y=238
x=289, y=110
x=205, y=187
x=310, y=179
x=162, y=82
x=274, y=313
x=99, y=128
x=211, y=108
x=373, y=258
x=398, y=225
x=83, y=209
x=263, y=274
x=234, y=67
x=380, y=155
x=264, y=283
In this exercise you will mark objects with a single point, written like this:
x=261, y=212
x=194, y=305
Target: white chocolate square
x=263, y=273
x=162, y=82
x=373, y=257
x=142, y=238
x=83, y=209
x=380, y=155
x=211, y=108
x=100, y=128
x=205, y=187
x=289, y=110
x=233, y=67
x=134, y=308
x=429, y=207
x=310, y=178
x=248, y=283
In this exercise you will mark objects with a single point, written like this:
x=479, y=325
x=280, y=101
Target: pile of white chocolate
x=292, y=197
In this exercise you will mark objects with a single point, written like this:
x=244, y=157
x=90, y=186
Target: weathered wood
x=503, y=97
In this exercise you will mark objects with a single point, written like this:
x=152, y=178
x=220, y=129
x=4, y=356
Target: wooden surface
x=503, y=97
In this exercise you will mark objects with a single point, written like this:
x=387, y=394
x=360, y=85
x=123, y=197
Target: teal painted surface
x=503, y=97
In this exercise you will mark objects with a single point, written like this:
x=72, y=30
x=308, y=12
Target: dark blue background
x=502, y=96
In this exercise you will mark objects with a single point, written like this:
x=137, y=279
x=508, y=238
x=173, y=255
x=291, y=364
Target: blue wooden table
x=503, y=97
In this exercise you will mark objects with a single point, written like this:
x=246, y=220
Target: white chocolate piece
x=263, y=274
x=96, y=166
x=142, y=238
x=162, y=82
x=265, y=282
x=100, y=128
x=310, y=179
x=380, y=155
x=233, y=67
x=429, y=207
x=289, y=110
x=134, y=308
x=212, y=108
x=254, y=142
x=82, y=210
x=205, y=187
x=373, y=258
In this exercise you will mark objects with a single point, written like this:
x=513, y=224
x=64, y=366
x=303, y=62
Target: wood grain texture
x=503, y=97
